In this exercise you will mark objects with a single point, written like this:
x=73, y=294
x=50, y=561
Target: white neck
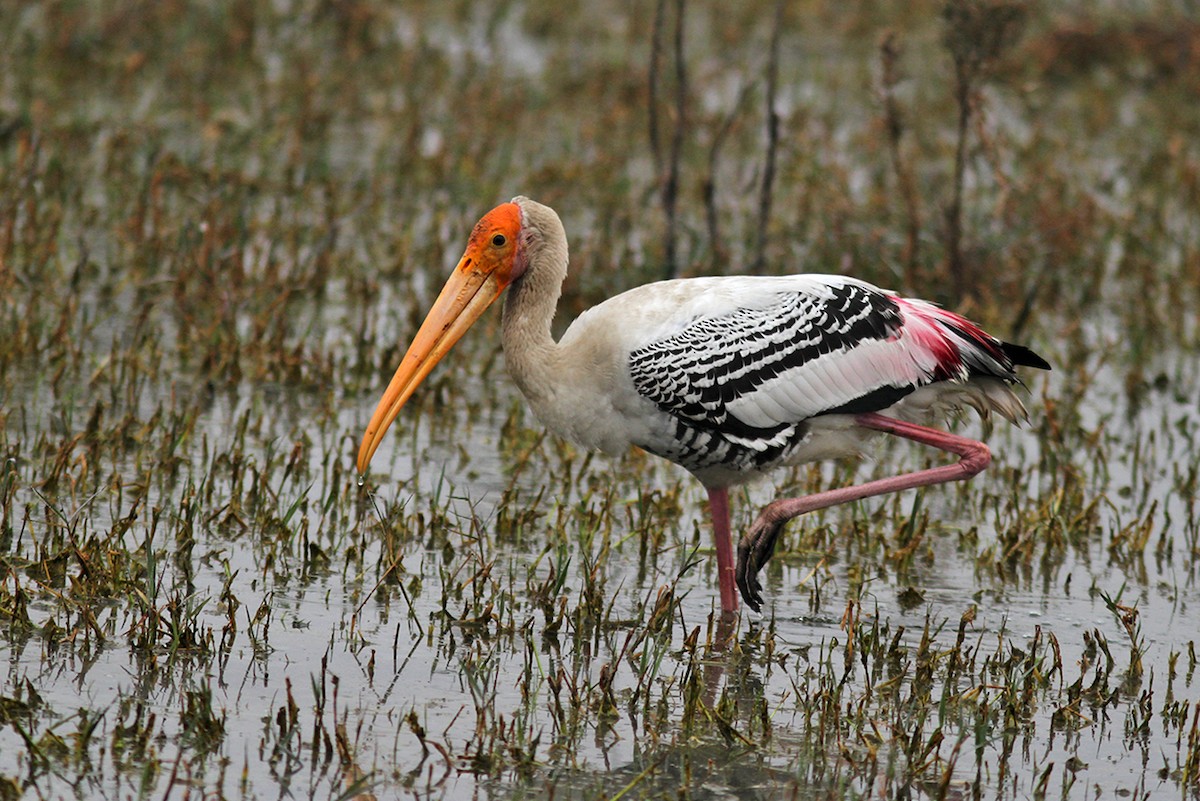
x=532, y=355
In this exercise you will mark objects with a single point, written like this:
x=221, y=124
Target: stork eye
x=498, y=240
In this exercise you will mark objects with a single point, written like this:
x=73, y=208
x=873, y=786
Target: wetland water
x=220, y=225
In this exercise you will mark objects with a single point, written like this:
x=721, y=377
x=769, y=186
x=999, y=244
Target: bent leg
x=758, y=543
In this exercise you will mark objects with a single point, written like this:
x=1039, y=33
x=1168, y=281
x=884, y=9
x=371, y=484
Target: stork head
x=494, y=258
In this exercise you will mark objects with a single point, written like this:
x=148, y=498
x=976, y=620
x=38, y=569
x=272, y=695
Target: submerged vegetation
x=221, y=222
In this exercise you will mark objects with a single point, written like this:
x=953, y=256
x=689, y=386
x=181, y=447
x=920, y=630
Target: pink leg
x=758, y=544
x=718, y=502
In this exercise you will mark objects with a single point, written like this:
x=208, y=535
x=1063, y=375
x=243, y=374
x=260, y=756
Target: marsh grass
x=219, y=225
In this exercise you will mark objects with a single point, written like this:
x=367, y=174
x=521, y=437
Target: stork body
x=728, y=377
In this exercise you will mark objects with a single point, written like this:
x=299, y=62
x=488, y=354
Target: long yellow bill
x=491, y=262
x=465, y=297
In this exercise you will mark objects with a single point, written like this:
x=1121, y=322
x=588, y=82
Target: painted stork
x=728, y=377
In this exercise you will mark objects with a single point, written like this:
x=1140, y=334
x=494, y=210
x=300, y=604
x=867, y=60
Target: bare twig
x=772, y=115
x=889, y=56
x=671, y=185
x=720, y=253
x=954, y=256
x=977, y=34
x=668, y=172
x=656, y=35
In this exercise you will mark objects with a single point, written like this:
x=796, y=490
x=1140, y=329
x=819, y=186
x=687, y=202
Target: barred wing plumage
x=740, y=385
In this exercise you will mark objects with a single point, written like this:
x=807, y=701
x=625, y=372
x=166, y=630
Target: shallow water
x=368, y=660
x=209, y=277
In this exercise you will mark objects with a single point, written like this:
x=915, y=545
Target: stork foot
x=754, y=551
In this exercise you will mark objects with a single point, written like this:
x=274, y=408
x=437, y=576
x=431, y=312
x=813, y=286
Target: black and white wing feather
x=740, y=384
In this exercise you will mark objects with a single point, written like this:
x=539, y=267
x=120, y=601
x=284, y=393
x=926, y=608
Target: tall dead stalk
x=667, y=168
x=889, y=57
x=766, y=188
x=977, y=33
x=720, y=253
